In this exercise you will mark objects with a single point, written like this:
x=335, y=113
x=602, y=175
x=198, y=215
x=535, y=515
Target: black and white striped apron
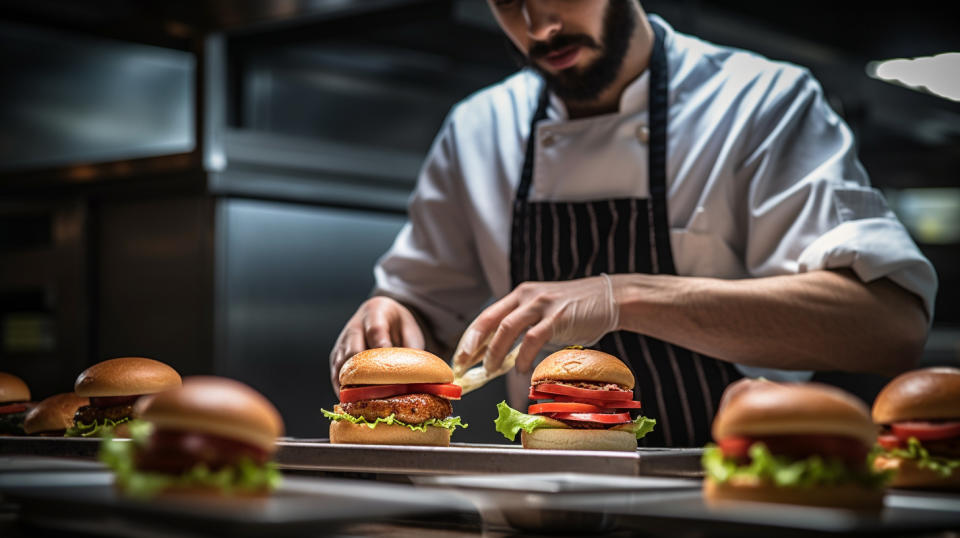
x=553, y=241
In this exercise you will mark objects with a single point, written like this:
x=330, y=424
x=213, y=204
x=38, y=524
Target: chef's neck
x=634, y=64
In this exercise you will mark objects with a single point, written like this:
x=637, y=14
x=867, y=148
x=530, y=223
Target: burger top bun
x=583, y=365
x=54, y=413
x=13, y=389
x=928, y=393
x=218, y=406
x=794, y=408
x=127, y=376
x=389, y=365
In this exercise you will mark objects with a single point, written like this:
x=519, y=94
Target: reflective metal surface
x=69, y=98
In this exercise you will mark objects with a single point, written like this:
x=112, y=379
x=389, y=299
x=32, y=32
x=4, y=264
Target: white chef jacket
x=762, y=180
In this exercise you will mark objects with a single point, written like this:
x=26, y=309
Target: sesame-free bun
x=573, y=364
x=574, y=439
x=218, y=406
x=346, y=432
x=848, y=496
x=925, y=394
x=794, y=408
x=389, y=365
x=54, y=413
x=127, y=376
x=909, y=475
x=13, y=389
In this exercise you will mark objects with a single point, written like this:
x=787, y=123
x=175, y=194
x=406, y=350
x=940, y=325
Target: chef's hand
x=379, y=322
x=574, y=312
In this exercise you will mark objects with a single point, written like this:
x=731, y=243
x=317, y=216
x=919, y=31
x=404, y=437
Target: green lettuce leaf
x=119, y=456
x=450, y=423
x=509, y=422
x=640, y=426
x=98, y=428
x=915, y=451
x=785, y=472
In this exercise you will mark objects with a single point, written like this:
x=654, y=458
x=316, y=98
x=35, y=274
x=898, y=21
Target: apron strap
x=526, y=177
x=659, y=103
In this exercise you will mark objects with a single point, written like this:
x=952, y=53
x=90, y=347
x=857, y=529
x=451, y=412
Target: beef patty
x=89, y=414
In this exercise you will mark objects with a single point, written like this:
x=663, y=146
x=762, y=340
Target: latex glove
x=379, y=322
x=573, y=312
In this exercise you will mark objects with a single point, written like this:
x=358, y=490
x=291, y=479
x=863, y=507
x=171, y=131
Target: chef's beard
x=586, y=84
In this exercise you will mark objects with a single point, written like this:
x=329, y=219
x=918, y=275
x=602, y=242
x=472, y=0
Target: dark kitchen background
x=209, y=182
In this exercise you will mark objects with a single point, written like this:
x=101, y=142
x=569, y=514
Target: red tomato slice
x=590, y=394
x=372, y=392
x=12, y=408
x=602, y=418
x=562, y=407
x=737, y=448
x=848, y=449
x=926, y=431
x=534, y=395
x=443, y=390
x=889, y=442
x=606, y=404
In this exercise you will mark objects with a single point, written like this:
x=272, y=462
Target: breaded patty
x=409, y=408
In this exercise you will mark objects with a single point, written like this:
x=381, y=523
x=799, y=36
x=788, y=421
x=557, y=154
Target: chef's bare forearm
x=821, y=320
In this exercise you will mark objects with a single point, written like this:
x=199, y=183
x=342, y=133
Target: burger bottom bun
x=573, y=439
x=910, y=476
x=345, y=432
x=845, y=496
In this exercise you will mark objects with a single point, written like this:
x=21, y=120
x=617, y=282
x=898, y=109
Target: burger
x=584, y=400
x=114, y=386
x=211, y=435
x=14, y=404
x=53, y=416
x=919, y=413
x=795, y=443
x=395, y=396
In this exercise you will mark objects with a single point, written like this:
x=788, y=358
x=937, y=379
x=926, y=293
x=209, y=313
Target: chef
x=696, y=210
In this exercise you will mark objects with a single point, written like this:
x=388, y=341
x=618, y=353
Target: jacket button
x=643, y=134
x=547, y=141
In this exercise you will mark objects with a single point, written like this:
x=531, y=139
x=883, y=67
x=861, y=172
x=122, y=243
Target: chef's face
x=577, y=45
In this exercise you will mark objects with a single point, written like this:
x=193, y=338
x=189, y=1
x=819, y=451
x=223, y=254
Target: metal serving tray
x=464, y=458
x=87, y=502
x=459, y=458
x=584, y=503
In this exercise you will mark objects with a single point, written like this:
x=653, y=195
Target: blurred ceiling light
x=938, y=75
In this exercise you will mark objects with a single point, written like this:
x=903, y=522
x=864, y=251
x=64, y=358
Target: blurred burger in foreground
x=395, y=396
x=212, y=435
x=584, y=402
x=801, y=443
x=113, y=387
x=53, y=416
x=920, y=442
x=14, y=404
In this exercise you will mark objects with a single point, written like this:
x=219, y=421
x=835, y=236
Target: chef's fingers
x=507, y=333
x=349, y=344
x=478, y=334
x=536, y=337
x=376, y=328
x=410, y=333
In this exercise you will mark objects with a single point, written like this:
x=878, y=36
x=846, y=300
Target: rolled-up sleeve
x=811, y=205
x=433, y=263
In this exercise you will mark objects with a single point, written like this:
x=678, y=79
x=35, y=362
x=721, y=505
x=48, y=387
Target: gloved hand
x=379, y=322
x=574, y=312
